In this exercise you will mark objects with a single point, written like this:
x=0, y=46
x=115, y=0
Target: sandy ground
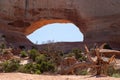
x=22, y=76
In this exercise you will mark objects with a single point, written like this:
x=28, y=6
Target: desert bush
x=39, y=65
x=78, y=54
x=40, y=58
x=112, y=72
x=47, y=67
x=23, y=54
x=45, y=64
x=32, y=68
x=2, y=46
x=33, y=54
x=35, y=68
x=117, y=75
x=81, y=72
x=10, y=65
x=52, y=53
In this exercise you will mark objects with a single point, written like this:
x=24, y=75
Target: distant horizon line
x=59, y=42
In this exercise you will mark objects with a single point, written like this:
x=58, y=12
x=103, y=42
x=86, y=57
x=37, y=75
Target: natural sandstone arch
x=34, y=26
x=57, y=31
x=98, y=20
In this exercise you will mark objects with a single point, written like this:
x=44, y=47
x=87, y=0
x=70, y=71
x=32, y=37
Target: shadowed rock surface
x=98, y=20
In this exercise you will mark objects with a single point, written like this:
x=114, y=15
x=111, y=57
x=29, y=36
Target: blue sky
x=57, y=32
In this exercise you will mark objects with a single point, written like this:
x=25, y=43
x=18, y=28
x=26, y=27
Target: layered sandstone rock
x=99, y=20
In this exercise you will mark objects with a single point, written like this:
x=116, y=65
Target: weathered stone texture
x=99, y=20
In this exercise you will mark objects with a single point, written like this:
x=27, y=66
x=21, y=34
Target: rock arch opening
x=56, y=32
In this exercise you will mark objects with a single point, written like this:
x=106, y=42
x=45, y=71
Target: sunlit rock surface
x=99, y=20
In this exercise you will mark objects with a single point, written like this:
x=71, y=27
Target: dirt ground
x=22, y=76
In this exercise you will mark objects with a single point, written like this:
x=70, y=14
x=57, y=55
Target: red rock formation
x=97, y=19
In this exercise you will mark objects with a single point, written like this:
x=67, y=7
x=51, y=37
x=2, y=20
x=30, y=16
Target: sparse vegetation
x=112, y=72
x=23, y=54
x=2, y=46
x=32, y=68
x=117, y=75
x=78, y=54
x=52, y=53
x=10, y=65
x=41, y=58
x=47, y=67
x=48, y=60
x=82, y=72
x=33, y=54
x=40, y=65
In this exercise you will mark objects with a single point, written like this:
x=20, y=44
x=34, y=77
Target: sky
x=56, y=32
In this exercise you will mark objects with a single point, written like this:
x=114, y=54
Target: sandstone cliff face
x=99, y=20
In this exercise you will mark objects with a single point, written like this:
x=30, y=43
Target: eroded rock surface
x=99, y=20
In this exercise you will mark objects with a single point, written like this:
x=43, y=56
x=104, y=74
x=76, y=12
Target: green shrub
x=117, y=75
x=39, y=59
x=33, y=54
x=32, y=68
x=78, y=54
x=70, y=55
x=112, y=72
x=23, y=54
x=2, y=46
x=82, y=72
x=35, y=68
x=10, y=65
x=47, y=67
x=37, y=72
